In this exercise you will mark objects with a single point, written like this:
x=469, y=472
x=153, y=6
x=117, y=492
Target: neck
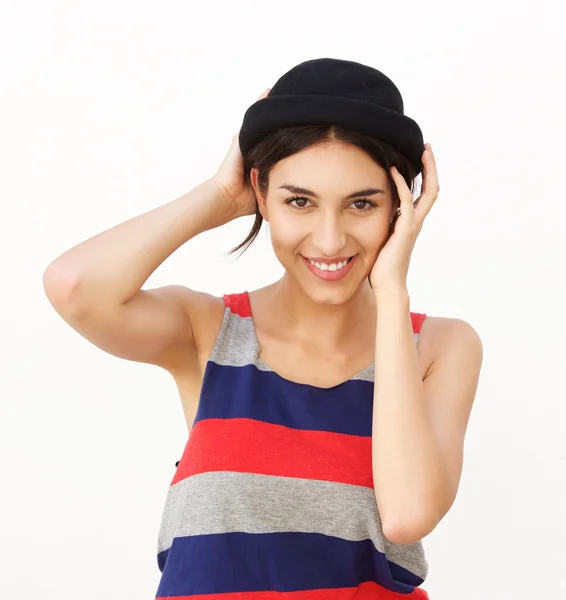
x=331, y=319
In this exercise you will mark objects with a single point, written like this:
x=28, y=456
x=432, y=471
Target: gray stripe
x=225, y=501
x=237, y=345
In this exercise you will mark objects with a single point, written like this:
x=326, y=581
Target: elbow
x=408, y=532
x=418, y=522
x=60, y=289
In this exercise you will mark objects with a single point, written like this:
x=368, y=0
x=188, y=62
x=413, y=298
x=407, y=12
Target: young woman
x=326, y=420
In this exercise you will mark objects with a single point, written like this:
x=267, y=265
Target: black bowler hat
x=334, y=91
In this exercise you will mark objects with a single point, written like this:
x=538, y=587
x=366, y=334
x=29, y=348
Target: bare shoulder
x=205, y=312
x=183, y=360
x=447, y=328
x=197, y=305
x=200, y=303
x=440, y=335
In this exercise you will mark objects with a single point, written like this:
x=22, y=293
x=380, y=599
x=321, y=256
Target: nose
x=329, y=235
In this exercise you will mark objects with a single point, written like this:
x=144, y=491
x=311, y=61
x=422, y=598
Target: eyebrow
x=299, y=190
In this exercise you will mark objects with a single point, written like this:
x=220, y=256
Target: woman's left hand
x=392, y=265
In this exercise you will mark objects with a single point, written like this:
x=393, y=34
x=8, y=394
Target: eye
x=369, y=204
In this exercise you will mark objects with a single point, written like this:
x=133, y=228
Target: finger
x=431, y=162
x=430, y=186
x=405, y=195
x=430, y=152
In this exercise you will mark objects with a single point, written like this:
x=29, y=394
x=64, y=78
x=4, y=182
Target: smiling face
x=342, y=208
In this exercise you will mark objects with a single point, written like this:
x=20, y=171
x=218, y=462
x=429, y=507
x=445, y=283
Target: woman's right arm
x=96, y=286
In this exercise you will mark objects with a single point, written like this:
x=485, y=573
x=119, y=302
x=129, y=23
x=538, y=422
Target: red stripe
x=365, y=591
x=250, y=446
x=417, y=320
x=239, y=304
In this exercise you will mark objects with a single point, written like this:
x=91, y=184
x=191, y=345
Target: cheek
x=372, y=235
x=285, y=230
x=286, y=238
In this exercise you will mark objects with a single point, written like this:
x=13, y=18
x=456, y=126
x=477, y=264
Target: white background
x=110, y=109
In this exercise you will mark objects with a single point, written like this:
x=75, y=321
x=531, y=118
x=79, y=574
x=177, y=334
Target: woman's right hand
x=230, y=176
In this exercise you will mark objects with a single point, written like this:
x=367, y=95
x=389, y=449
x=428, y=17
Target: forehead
x=332, y=162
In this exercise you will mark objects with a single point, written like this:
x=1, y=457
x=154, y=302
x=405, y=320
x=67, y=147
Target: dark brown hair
x=287, y=141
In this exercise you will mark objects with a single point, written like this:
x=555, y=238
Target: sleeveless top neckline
x=240, y=304
x=367, y=371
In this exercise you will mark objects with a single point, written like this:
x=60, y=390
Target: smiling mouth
x=332, y=271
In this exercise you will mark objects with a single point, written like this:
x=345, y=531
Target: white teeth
x=332, y=267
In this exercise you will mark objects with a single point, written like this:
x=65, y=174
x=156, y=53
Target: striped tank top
x=273, y=495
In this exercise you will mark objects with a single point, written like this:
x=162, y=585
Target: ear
x=261, y=199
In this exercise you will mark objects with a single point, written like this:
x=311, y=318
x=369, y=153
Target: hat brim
x=274, y=112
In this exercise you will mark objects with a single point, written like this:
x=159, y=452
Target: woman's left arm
x=419, y=425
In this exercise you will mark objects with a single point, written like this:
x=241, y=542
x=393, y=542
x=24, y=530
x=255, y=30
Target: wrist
x=224, y=203
x=396, y=292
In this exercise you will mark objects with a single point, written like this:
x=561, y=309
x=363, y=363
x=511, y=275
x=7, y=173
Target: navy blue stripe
x=283, y=562
x=230, y=392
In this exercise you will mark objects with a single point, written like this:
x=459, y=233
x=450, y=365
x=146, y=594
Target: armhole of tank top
x=417, y=319
x=222, y=337
x=219, y=346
